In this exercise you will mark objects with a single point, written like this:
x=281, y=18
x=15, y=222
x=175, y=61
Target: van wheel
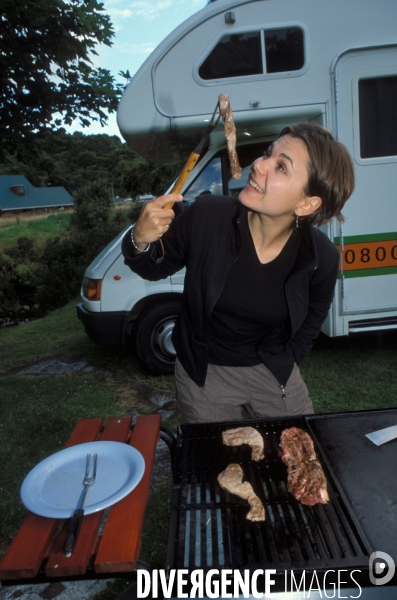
x=151, y=337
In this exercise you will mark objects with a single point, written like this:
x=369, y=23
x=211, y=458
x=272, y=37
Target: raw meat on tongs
x=230, y=134
x=231, y=480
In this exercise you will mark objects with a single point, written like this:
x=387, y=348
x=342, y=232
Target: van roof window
x=241, y=54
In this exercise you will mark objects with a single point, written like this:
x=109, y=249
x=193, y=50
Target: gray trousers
x=228, y=389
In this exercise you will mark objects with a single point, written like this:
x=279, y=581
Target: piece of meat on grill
x=245, y=435
x=231, y=480
x=306, y=479
x=230, y=134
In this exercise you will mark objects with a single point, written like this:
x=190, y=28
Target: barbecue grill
x=209, y=529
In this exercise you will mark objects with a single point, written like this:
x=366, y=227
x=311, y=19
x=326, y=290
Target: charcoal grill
x=209, y=529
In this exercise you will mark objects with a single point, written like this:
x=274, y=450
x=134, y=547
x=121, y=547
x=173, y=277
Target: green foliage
x=134, y=211
x=163, y=176
x=140, y=177
x=59, y=272
x=54, y=404
x=72, y=161
x=93, y=205
x=37, y=230
x=46, y=51
x=63, y=261
x=51, y=275
x=8, y=294
x=17, y=281
x=89, y=167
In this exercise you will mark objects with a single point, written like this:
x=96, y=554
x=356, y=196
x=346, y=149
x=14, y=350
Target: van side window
x=378, y=116
x=209, y=181
x=241, y=54
x=236, y=55
x=284, y=50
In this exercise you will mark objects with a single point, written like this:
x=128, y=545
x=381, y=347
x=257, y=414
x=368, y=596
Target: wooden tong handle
x=187, y=169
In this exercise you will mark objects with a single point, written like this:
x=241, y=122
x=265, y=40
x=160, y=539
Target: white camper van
x=282, y=62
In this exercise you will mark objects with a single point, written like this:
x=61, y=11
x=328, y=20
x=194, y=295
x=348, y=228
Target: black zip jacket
x=205, y=238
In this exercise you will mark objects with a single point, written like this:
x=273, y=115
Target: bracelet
x=133, y=241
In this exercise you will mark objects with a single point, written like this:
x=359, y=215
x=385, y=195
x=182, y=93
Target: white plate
x=53, y=487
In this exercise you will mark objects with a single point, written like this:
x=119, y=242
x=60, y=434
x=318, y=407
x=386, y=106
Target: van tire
x=151, y=337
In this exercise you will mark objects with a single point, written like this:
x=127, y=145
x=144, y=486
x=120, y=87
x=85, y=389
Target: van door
x=366, y=101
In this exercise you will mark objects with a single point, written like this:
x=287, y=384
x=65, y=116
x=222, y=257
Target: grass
x=41, y=411
x=61, y=335
x=350, y=373
x=36, y=227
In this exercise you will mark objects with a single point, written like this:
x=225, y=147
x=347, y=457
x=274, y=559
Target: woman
x=259, y=277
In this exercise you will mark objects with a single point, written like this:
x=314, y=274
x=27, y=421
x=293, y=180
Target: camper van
x=282, y=62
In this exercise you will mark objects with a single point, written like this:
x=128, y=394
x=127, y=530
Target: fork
x=75, y=523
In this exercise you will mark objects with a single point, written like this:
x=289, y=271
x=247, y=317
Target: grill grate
x=209, y=528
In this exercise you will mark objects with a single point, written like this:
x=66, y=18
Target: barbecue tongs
x=195, y=155
x=189, y=166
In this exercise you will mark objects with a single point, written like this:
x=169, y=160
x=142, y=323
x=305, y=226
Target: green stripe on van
x=370, y=237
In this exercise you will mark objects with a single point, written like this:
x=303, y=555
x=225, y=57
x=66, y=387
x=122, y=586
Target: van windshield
x=215, y=178
x=208, y=182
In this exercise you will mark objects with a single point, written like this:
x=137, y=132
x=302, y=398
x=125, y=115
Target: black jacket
x=206, y=239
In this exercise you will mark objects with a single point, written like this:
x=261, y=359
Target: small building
x=17, y=194
x=145, y=197
x=118, y=200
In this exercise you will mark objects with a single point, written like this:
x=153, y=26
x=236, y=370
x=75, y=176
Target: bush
x=134, y=211
x=64, y=261
x=59, y=272
x=93, y=206
x=51, y=276
x=17, y=269
x=8, y=295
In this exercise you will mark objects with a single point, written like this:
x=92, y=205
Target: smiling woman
x=274, y=192
x=259, y=277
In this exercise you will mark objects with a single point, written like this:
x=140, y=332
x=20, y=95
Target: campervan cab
x=282, y=62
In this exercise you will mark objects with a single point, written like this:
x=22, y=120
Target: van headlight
x=92, y=288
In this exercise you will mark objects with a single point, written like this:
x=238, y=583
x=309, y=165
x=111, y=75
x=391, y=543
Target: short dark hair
x=331, y=172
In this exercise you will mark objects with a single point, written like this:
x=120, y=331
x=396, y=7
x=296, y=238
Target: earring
x=297, y=222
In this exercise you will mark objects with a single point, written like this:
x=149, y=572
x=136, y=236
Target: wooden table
x=36, y=553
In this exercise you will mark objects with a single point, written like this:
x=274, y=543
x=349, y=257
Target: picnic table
x=36, y=553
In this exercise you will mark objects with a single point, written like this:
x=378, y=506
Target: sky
x=139, y=26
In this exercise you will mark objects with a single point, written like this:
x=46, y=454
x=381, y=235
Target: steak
x=231, y=480
x=230, y=134
x=306, y=479
x=245, y=435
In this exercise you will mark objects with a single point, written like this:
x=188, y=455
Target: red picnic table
x=36, y=552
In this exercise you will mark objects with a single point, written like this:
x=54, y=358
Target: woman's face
x=276, y=181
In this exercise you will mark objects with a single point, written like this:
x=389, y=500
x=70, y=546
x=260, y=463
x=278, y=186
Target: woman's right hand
x=154, y=220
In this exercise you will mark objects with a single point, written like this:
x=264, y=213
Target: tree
x=47, y=77
x=141, y=177
x=71, y=161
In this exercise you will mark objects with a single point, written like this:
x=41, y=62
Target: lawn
x=35, y=227
x=43, y=409
x=342, y=374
